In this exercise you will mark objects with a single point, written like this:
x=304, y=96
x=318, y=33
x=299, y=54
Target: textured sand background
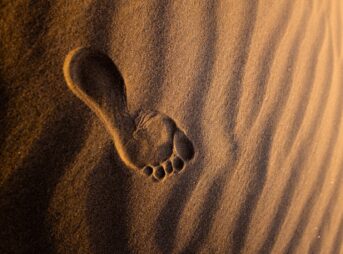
x=257, y=86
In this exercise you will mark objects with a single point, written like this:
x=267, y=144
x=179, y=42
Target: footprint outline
x=93, y=77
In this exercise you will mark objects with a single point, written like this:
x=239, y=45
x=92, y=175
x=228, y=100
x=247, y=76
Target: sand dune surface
x=240, y=148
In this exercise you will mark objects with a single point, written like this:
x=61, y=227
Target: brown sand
x=257, y=87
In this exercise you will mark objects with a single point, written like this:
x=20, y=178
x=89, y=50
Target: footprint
x=147, y=141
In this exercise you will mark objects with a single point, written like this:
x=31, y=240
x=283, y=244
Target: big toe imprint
x=183, y=146
x=183, y=152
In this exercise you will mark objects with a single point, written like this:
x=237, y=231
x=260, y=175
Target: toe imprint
x=178, y=163
x=183, y=146
x=168, y=167
x=148, y=170
x=159, y=173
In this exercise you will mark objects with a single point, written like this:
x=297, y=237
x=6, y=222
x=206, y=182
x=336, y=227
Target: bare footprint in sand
x=146, y=141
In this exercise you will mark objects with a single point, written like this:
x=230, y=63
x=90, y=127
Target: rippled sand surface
x=256, y=85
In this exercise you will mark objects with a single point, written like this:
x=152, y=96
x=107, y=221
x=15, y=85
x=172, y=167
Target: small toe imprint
x=148, y=170
x=169, y=167
x=160, y=173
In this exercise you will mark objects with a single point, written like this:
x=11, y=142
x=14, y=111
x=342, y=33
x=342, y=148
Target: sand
x=254, y=86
